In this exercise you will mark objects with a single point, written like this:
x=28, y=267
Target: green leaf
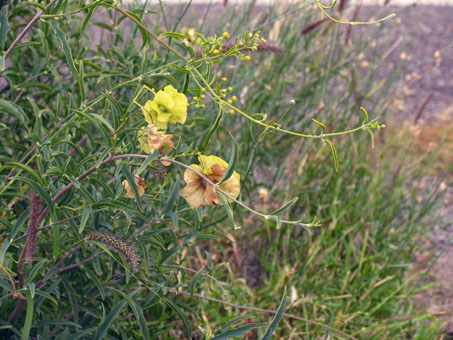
x=138, y=312
x=14, y=110
x=5, y=246
x=232, y=163
x=334, y=153
x=185, y=321
x=238, y=332
x=103, y=121
x=106, y=323
x=144, y=33
x=276, y=319
x=320, y=124
x=96, y=282
x=40, y=190
x=365, y=114
x=227, y=207
x=82, y=333
x=179, y=68
x=131, y=180
x=55, y=241
x=28, y=317
x=213, y=129
x=3, y=26
x=32, y=172
x=43, y=323
x=150, y=158
x=66, y=49
x=86, y=20
x=173, y=195
x=46, y=296
x=86, y=213
x=285, y=206
x=172, y=34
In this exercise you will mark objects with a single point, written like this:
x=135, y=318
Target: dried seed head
x=118, y=245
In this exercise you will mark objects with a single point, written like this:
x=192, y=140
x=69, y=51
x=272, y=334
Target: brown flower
x=151, y=139
x=198, y=192
x=141, y=186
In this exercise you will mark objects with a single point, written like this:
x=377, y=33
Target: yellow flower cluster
x=170, y=107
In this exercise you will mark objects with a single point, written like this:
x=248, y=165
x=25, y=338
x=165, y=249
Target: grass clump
x=108, y=124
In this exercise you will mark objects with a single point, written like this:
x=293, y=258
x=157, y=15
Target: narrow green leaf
x=131, y=180
x=179, y=68
x=96, y=282
x=3, y=27
x=32, y=172
x=365, y=114
x=169, y=254
x=227, y=207
x=19, y=223
x=213, y=129
x=138, y=312
x=232, y=163
x=86, y=20
x=46, y=296
x=82, y=333
x=28, y=317
x=5, y=246
x=320, y=124
x=150, y=158
x=238, y=332
x=185, y=321
x=66, y=49
x=14, y=110
x=334, y=153
x=40, y=190
x=172, y=34
x=285, y=206
x=103, y=121
x=101, y=332
x=43, y=323
x=86, y=213
x=273, y=325
x=75, y=182
x=55, y=241
x=173, y=195
x=143, y=32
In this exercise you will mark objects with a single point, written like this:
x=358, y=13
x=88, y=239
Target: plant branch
x=27, y=28
x=154, y=35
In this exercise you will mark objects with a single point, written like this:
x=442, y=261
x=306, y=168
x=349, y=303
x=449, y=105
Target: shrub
x=105, y=119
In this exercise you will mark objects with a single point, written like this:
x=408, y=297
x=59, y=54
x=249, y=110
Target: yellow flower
x=141, y=187
x=168, y=106
x=151, y=139
x=198, y=192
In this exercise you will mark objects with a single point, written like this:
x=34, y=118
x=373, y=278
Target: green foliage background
x=69, y=93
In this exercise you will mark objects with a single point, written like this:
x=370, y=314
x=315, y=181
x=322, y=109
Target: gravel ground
x=427, y=92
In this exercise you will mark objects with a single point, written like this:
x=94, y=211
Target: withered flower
x=198, y=192
x=141, y=187
x=151, y=139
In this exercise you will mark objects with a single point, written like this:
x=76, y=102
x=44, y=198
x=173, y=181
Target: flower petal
x=211, y=197
x=190, y=177
x=194, y=195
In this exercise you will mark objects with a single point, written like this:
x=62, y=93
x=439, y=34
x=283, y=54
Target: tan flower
x=264, y=194
x=198, y=192
x=151, y=139
x=141, y=187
